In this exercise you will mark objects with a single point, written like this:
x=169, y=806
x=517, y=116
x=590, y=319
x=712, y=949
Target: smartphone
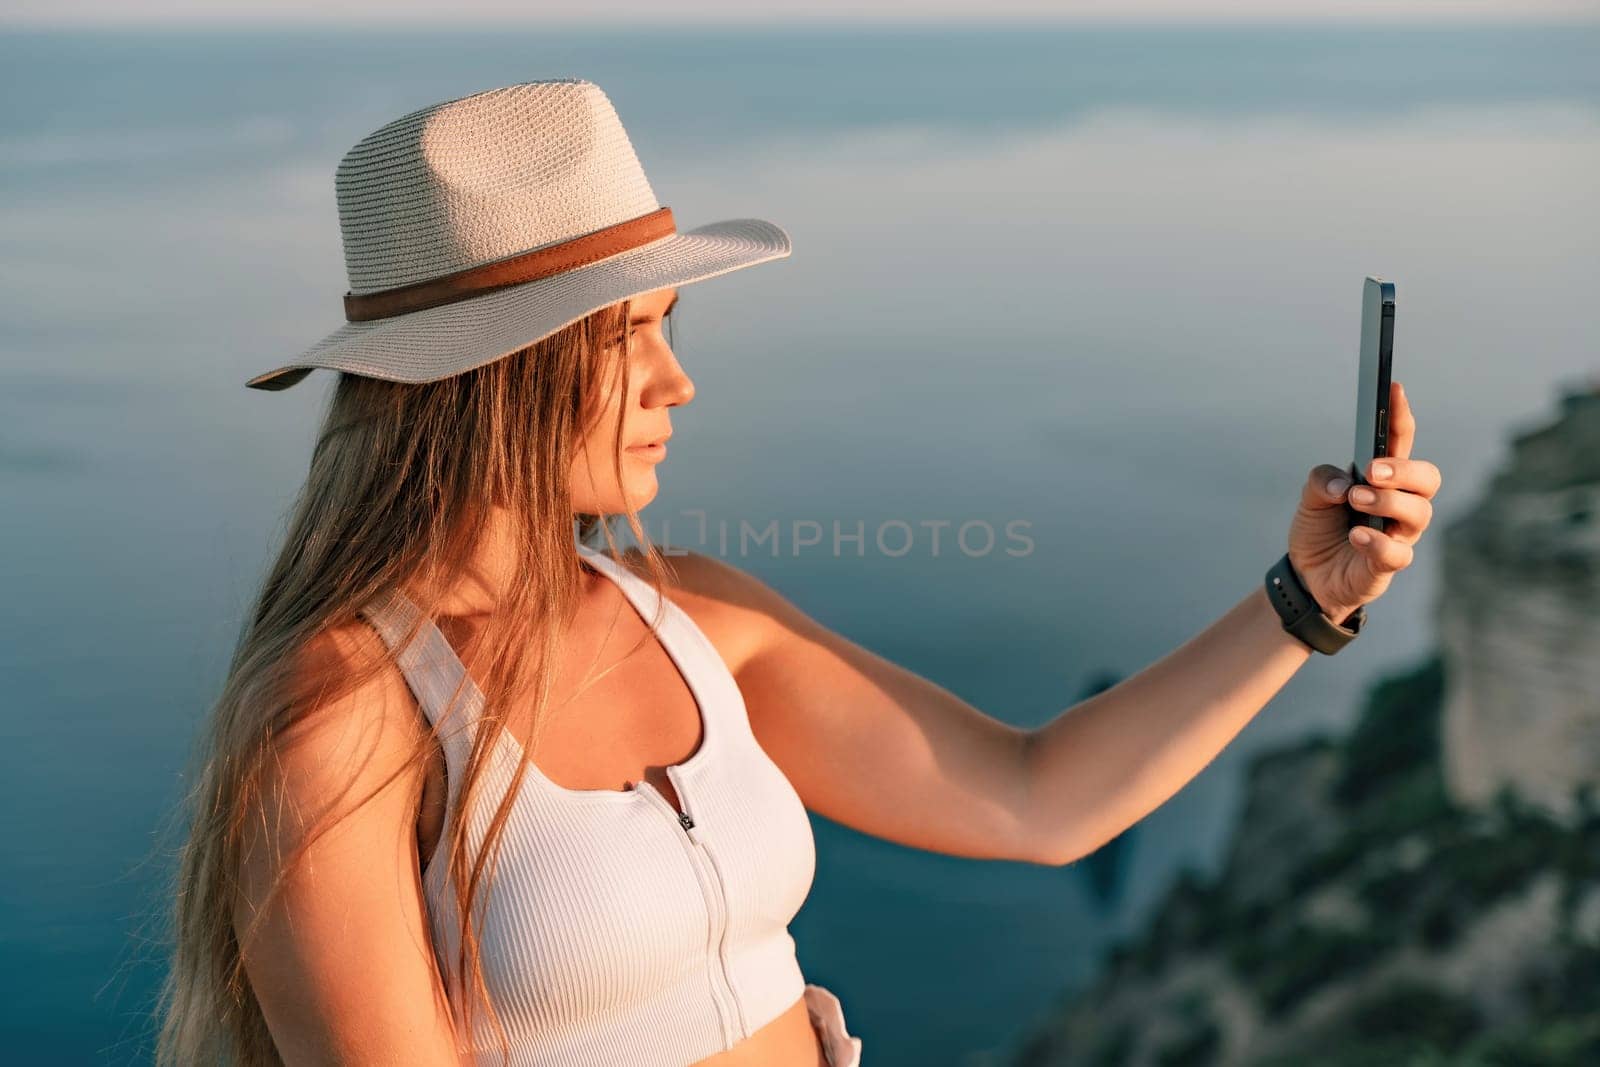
x=1372, y=386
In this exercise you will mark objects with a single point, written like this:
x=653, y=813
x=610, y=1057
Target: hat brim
x=438, y=342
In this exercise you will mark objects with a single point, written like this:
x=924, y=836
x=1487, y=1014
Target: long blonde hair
x=401, y=478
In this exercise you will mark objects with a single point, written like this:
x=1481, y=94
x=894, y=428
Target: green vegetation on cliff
x=1362, y=918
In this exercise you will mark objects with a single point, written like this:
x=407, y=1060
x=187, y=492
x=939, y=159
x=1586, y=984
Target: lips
x=651, y=443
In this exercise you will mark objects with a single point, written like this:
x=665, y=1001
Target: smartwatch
x=1303, y=617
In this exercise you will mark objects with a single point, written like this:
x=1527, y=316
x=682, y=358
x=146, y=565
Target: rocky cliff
x=1425, y=890
x=1519, y=622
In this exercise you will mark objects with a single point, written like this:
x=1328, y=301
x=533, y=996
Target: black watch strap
x=1302, y=616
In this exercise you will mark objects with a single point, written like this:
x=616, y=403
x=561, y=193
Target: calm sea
x=1099, y=283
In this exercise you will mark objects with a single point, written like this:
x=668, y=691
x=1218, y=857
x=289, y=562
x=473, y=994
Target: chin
x=640, y=493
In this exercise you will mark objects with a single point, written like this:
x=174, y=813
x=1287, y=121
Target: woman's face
x=655, y=383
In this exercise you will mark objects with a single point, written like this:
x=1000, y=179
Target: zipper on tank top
x=710, y=878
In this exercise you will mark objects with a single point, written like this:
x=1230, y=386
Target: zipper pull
x=691, y=828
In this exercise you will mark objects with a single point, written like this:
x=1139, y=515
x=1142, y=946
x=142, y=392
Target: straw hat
x=479, y=225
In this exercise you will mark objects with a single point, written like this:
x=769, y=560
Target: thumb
x=1325, y=487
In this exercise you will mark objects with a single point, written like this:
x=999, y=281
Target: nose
x=669, y=385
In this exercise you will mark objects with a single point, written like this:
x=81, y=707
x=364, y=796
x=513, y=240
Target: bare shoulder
x=337, y=949
x=354, y=730
x=342, y=653
x=740, y=613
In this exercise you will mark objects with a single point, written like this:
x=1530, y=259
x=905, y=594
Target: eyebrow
x=664, y=314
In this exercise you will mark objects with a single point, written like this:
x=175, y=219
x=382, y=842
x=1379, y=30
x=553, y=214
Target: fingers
x=1412, y=475
x=1402, y=427
x=1383, y=553
x=1411, y=513
x=1325, y=486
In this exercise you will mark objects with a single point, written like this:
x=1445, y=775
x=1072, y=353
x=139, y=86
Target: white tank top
x=620, y=931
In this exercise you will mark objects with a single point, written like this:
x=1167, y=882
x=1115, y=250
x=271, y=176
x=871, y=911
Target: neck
x=490, y=563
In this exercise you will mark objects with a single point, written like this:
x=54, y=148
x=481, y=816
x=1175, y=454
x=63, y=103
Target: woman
x=444, y=706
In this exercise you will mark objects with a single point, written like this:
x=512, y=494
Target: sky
x=489, y=12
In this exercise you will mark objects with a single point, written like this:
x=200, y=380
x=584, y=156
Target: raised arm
x=343, y=964
x=878, y=748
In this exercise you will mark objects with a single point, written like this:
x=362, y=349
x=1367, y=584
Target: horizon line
x=701, y=21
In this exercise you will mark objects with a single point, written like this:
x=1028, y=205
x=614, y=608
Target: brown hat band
x=525, y=267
